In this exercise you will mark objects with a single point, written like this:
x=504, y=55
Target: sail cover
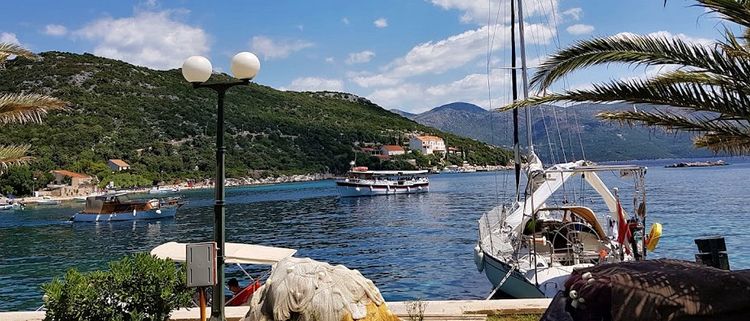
x=235, y=253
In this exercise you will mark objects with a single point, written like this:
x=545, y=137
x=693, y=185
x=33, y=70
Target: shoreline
x=176, y=188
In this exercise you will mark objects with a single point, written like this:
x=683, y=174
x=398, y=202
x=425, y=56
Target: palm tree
x=21, y=108
x=709, y=84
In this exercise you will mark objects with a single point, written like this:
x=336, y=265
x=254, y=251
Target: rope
x=499, y=285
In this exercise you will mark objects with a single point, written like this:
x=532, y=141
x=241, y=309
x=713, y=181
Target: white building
x=427, y=144
x=391, y=150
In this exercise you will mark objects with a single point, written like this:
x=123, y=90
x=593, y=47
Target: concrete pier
x=456, y=310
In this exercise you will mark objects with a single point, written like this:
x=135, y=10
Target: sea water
x=411, y=246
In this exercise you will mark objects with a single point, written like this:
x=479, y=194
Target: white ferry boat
x=360, y=181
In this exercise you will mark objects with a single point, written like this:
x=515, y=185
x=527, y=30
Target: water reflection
x=412, y=246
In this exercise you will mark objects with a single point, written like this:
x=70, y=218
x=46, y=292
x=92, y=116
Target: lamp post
x=197, y=70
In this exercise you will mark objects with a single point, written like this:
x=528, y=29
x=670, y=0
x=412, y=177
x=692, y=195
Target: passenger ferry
x=360, y=181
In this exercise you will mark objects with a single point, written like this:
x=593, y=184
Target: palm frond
x=717, y=134
x=8, y=49
x=724, y=100
x=737, y=11
x=23, y=108
x=638, y=50
x=14, y=155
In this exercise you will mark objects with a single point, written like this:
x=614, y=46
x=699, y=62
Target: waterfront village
x=422, y=151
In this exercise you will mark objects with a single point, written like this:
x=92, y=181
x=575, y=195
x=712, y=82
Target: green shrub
x=138, y=287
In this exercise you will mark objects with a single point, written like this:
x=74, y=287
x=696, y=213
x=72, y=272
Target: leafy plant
x=137, y=287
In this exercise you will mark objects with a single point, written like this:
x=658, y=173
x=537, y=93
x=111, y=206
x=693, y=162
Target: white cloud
x=399, y=84
x=8, y=37
x=580, y=29
x=381, y=23
x=450, y=53
x=330, y=60
x=301, y=27
x=55, y=30
x=152, y=39
x=414, y=97
x=273, y=49
x=368, y=81
x=475, y=11
x=345, y=20
x=315, y=84
x=360, y=57
x=666, y=34
x=574, y=13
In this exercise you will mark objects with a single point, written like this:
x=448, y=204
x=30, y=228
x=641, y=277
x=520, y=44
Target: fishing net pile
x=653, y=290
x=307, y=290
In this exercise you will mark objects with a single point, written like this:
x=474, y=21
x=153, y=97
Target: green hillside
x=165, y=129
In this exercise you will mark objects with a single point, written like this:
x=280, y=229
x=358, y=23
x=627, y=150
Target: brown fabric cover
x=659, y=290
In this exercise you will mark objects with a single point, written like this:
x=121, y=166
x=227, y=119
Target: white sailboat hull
x=164, y=212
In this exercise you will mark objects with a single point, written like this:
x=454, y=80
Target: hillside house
x=118, y=165
x=392, y=150
x=67, y=183
x=427, y=144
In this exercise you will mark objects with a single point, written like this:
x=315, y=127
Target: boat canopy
x=236, y=253
x=390, y=173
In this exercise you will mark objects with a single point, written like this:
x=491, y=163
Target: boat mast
x=514, y=82
x=524, y=75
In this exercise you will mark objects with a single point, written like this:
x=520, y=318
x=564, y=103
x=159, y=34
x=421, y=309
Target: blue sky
x=407, y=54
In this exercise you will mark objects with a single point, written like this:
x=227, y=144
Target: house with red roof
x=391, y=150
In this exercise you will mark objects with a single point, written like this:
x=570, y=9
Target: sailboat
x=564, y=219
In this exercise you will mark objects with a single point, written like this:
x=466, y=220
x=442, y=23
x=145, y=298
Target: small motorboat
x=46, y=200
x=119, y=207
x=8, y=207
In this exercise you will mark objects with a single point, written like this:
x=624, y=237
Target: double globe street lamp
x=197, y=70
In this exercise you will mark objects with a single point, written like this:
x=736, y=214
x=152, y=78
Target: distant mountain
x=402, y=113
x=571, y=127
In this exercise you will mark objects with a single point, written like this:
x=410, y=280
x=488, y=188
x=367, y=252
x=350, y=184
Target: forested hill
x=165, y=129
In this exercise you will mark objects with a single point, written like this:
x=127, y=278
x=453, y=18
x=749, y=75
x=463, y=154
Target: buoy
x=357, y=189
x=653, y=237
x=479, y=258
x=158, y=211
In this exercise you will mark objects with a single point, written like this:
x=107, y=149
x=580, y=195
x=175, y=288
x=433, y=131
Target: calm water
x=412, y=246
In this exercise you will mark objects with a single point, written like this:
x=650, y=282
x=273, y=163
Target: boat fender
x=158, y=211
x=134, y=211
x=653, y=237
x=357, y=189
x=479, y=258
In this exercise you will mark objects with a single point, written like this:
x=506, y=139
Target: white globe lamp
x=196, y=69
x=245, y=65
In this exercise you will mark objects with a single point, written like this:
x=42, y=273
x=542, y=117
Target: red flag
x=623, y=230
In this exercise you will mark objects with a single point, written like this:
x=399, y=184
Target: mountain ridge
x=575, y=127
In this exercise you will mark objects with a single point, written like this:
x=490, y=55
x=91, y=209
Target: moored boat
x=119, y=207
x=46, y=200
x=360, y=181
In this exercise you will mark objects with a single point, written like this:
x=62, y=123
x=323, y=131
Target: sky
x=411, y=55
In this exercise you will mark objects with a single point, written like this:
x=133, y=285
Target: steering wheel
x=577, y=247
